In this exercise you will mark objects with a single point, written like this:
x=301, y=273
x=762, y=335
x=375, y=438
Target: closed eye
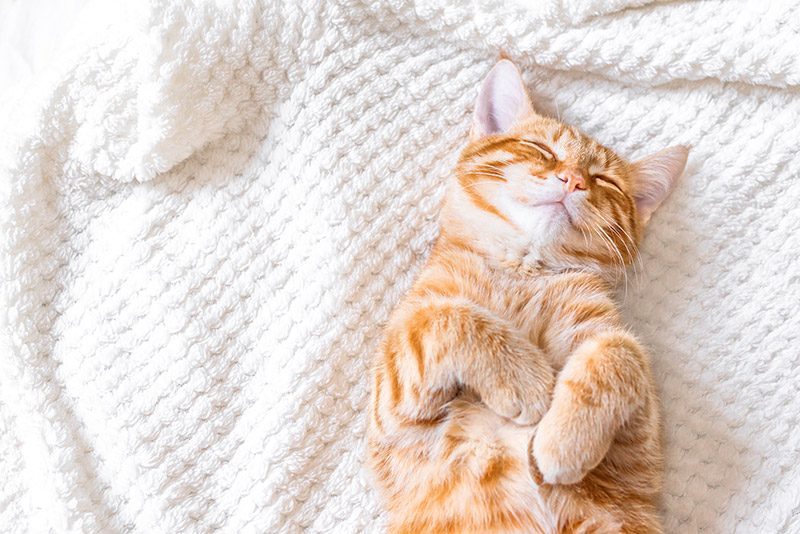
x=541, y=147
x=604, y=180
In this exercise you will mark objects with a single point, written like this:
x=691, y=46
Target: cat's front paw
x=515, y=408
x=556, y=458
x=523, y=399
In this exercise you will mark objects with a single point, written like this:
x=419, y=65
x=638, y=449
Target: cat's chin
x=556, y=212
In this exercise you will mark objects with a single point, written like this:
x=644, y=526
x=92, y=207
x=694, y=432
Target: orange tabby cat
x=508, y=395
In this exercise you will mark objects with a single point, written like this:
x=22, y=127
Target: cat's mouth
x=556, y=207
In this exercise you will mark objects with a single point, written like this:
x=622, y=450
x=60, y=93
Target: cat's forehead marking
x=558, y=148
x=561, y=147
x=562, y=140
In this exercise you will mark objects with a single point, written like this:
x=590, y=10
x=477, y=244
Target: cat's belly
x=472, y=473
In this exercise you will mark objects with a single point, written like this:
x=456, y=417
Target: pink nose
x=573, y=179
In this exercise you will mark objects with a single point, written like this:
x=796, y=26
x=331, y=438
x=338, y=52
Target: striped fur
x=507, y=395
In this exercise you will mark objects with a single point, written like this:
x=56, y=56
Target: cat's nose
x=573, y=179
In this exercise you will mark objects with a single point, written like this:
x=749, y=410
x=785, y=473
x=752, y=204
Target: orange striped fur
x=508, y=396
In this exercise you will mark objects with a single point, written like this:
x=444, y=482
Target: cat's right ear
x=654, y=176
x=502, y=101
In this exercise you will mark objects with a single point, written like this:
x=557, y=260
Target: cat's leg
x=603, y=383
x=438, y=345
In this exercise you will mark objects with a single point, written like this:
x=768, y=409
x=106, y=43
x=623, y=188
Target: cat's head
x=530, y=188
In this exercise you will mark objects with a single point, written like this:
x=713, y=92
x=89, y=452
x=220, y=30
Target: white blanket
x=210, y=210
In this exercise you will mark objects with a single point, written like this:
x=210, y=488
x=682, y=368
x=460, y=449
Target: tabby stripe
x=455, y=241
x=416, y=330
x=481, y=203
x=630, y=209
x=451, y=442
x=595, y=310
x=603, y=257
x=394, y=377
x=497, y=468
x=440, y=492
x=499, y=164
x=489, y=176
x=376, y=392
x=488, y=146
x=583, y=393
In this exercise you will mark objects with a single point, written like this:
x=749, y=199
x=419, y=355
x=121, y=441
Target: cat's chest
x=522, y=302
x=536, y=307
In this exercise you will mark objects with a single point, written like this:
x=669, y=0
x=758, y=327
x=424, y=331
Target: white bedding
x=208, y=211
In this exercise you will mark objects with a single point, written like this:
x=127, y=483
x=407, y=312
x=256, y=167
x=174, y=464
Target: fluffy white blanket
x=210, y=209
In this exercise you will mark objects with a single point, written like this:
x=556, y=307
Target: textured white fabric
x=211, y=209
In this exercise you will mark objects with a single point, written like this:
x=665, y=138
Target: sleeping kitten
x=508, y=395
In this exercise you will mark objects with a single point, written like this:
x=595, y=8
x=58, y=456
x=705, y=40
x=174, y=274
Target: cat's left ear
x=502, y=101
x=654, y=176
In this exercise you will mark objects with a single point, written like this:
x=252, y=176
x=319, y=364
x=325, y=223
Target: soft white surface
x=29, y=33
x=32, y=33
x=209, y=212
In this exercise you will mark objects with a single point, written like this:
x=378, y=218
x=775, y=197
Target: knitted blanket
x=210, y=208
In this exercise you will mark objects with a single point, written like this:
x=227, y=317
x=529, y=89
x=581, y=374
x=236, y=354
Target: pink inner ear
x=654, y=176
x=502, y=101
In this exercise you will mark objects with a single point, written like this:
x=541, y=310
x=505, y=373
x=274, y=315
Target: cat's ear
x=502, y=101
x=654, y=176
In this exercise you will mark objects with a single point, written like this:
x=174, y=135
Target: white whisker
x=635, y=258
x=493, y=175
x=613, y=248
